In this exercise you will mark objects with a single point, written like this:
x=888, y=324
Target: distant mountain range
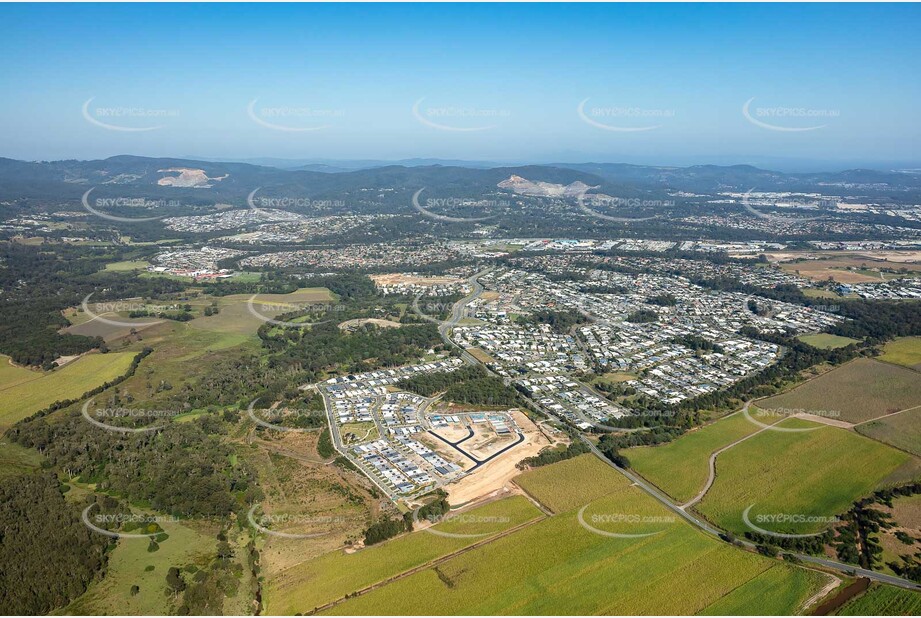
x=210, y=181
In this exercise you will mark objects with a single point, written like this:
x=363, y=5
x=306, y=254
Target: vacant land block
x=236, y=316
x=15, y=459
x=130, y=564
x=811, y=474
x=861, y=390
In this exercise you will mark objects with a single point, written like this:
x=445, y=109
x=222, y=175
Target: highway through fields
x=848, y=569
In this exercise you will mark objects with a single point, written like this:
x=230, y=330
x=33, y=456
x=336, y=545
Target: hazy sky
x=656, y=83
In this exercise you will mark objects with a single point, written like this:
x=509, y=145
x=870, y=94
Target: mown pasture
x=905, y=351
x=825, y=341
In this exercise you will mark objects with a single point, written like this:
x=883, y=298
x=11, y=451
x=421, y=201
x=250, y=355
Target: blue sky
x=663, y=83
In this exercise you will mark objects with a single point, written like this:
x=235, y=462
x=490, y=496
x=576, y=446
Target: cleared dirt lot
x=494, y=475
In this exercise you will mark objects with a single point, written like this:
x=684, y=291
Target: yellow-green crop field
x=814, y=474
x=332, y=576
x=560, y=566
x=11, y=375
x=680, y=467
x=69, y=382
x=569, y=484
x=882, y=600
x=904, y=351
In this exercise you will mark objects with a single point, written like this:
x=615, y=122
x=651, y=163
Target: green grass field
x=825, y=341
x=814, y=474
x=11, y=375
x=680, y=468
x=332, y=576
x=236, y=318
x=882, y=600
x=780, y=588
x=68, y=382
x=557, y=566
x=128, y=567
x=819, y=293
x=127, y=265
x=15, y=459
x=858, y=391
x=904, y=351
x=902, y=431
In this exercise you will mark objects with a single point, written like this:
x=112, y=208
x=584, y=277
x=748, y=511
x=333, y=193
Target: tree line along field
x=679, y=468
x=814, y=473
x=557, y=566
x=19, y=397
x=858, y=391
